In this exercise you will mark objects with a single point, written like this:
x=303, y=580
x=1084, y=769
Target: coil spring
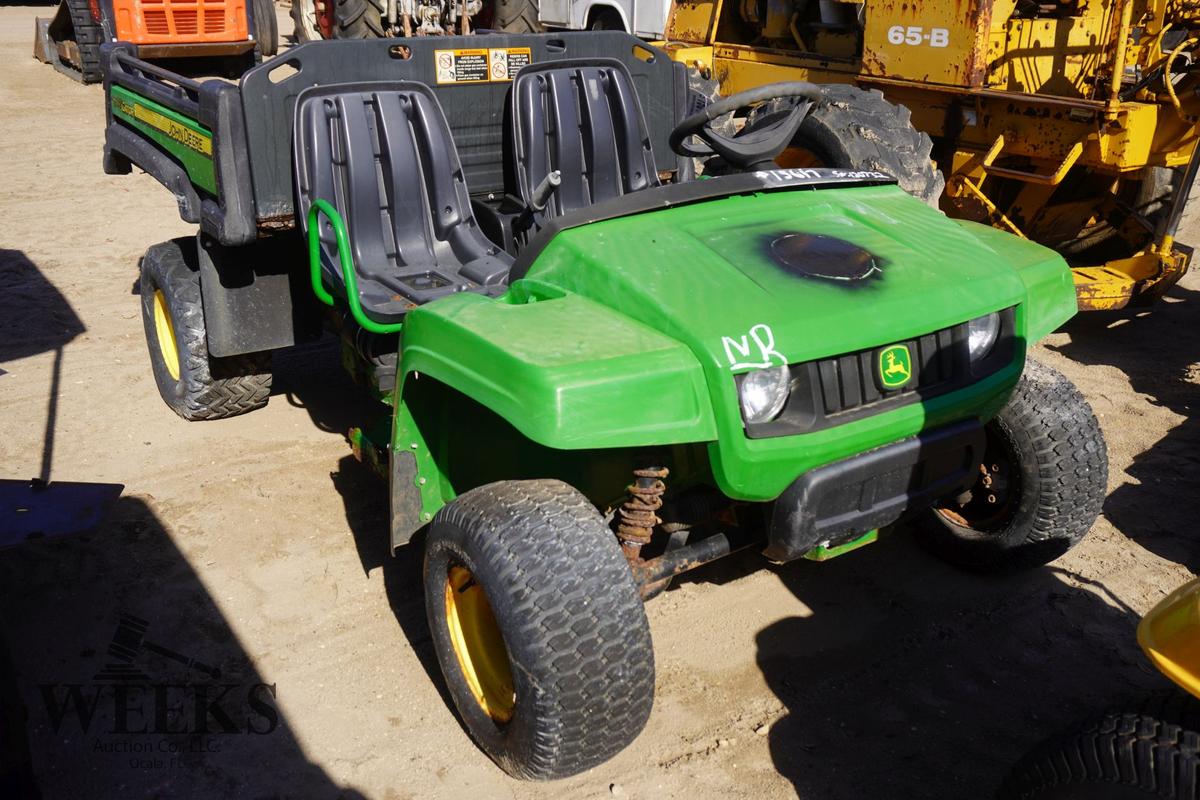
x=638, y=516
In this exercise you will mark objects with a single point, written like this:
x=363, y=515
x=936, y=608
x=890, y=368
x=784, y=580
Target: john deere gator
x=596, y=370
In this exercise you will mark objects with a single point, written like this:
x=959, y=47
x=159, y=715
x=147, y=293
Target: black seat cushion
x=382, y=155
x=583, y=118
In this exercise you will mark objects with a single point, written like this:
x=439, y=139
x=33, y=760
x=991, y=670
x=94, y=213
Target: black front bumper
x=839, y=502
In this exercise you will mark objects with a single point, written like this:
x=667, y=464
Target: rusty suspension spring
x=639, y=511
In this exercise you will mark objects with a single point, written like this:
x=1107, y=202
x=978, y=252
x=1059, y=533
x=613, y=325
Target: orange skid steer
x=213, y=36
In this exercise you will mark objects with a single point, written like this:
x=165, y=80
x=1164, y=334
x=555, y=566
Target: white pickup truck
x=645, y=18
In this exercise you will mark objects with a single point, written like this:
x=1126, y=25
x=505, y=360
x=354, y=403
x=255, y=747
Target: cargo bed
x=225, y=150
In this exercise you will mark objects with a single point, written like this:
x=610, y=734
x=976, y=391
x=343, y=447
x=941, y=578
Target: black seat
x=583, y=118
x=382, y=155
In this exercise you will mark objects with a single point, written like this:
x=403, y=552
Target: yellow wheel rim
x=479, y=645
x=166, y=334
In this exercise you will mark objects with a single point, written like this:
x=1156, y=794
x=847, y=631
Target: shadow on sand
x=311, y=377
x=132, y=682
x=119, y=675
x=1156, y=348
x=911, y=679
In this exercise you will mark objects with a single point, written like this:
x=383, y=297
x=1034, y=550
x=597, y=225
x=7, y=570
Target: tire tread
x=517, y=16
x=1128, y=749
x=1069, y=449
x=88, y=36
x=875, y=134
x=580, y=620
x=1061, y=454
x=357, y=19
x=213, y=388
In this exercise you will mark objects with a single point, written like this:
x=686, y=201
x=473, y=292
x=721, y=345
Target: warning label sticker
x=480, y=66
x=506, y=62
x=462, y=66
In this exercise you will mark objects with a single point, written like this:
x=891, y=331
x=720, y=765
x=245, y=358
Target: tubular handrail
x=318, y=208
x=157, y=71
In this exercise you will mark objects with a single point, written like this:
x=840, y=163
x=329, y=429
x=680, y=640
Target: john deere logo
x=895, y=366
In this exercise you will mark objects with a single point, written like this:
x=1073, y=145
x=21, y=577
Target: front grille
x=840, y=389
x=186, y=23
x=156, y=22
x=184, y=18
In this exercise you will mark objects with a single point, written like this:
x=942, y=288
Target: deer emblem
x=895, y=366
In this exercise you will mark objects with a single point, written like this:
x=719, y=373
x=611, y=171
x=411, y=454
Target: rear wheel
x=195, y=384
x=856, y=128
x=266, y=26
x=538, y=627
x=1122, y=757
x=517, y=16
x=1041, y=485
x=307, y=20
x=1146, y=193
x=357, y=19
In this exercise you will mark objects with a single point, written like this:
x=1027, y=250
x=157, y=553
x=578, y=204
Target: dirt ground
x=257, y=546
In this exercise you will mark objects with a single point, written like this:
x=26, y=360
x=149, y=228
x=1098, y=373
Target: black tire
x=606, y=19
x=203, y=386
x=1149, y=192
x=1122, y=757
x=517, y=16
x=1047, y=491
x=579, y=655
x=234, y=67
x=304, y=21
x=357, y=19
x=266, y=26
x=1175, y=706
x=856, y=128
x=89, y=36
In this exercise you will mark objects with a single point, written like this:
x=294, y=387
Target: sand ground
x=257, y=546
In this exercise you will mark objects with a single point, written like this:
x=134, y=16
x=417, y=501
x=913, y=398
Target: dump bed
x=225, y=150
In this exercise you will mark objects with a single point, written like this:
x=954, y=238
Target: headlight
x=763, y=393
x=981, y=335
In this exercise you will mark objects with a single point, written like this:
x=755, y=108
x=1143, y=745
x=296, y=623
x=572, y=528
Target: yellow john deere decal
x=895, y=366
x=181, y=133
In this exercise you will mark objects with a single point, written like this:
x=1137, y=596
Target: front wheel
x=1041, y=484
x=538, y=627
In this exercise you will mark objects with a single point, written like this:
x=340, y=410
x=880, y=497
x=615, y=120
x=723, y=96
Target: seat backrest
x=382, y=155
x=583, y=118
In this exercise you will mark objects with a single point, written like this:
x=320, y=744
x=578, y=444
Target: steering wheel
x=759, y=142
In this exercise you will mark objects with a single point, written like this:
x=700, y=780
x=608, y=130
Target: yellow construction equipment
x=1072, y=123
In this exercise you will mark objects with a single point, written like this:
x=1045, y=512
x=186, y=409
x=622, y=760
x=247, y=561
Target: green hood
x=626, y=332
x=715, y=275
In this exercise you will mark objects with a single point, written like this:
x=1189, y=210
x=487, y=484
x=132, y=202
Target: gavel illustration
x=130, y=639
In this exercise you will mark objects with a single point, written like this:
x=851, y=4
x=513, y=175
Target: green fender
x=1050, y=290
x=566, y=372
